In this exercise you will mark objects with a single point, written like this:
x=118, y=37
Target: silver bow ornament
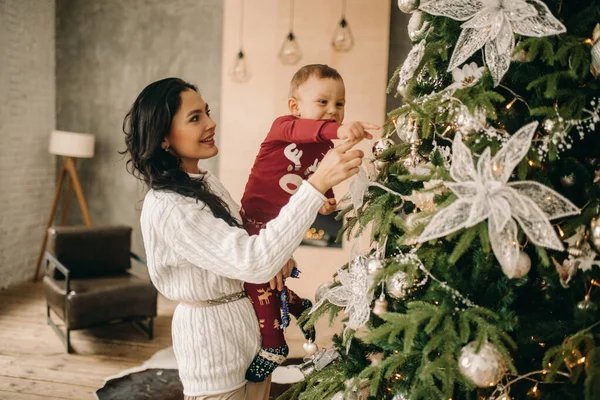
x=485, y=193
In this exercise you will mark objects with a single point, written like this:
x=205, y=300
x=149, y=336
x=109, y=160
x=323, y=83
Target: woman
x=197, y=252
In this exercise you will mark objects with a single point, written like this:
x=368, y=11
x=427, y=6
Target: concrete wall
x=106, y=53
x=26, y=119
x=249, y=109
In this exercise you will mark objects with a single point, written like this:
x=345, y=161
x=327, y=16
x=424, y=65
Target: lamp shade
x=72, y=144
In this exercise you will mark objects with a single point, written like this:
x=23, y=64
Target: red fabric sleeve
x=295, y=130
x=329, y=194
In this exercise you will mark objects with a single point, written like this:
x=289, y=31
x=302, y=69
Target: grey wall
x=106, y=53
x=399, y=47
x=26, y=119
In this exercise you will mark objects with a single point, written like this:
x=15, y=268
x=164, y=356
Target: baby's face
x=320, y=99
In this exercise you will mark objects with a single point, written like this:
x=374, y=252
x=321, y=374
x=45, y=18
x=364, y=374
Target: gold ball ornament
x=408, y=6
x=483, y=369
x=595, y=67
x=380, y=307
x=573, y=359
x=567, y=180
x=521, y=268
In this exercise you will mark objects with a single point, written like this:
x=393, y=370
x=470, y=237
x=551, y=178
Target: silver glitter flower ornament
x=493, y=23
x=484, y=193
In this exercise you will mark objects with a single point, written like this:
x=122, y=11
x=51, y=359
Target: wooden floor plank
x=6, y=395
x=40, y=388
x=33, y=361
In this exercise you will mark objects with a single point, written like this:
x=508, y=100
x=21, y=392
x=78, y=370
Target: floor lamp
x=70, y=146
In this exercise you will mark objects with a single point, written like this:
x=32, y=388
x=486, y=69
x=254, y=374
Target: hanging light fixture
x=290, y=52
x=240, y=72
x=342, y=40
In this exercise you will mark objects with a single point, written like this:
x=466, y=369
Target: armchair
x=87, y=282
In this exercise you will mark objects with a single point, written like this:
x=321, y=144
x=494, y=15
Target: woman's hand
x=339, y=164
x=279, y=280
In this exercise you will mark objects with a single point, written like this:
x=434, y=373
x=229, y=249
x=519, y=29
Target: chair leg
x=64, y=337
x=147, y=328
x=68, y=342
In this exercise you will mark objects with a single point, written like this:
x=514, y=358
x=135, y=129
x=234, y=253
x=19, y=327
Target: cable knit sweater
x=194, y=256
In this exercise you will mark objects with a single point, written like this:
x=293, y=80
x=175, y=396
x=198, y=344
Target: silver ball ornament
x=374, y=265
x=408, y=6
x=380, y=164
x=400, y=396
x=321, y=290
x=595, y=67
x=483, y=369
x=380, y=307
x=595, y=232
x=520, y=269
x=397, y=285
x=380, y=146
x=310, y=348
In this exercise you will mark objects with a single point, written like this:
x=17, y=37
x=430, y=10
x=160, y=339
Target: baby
x=290, y=153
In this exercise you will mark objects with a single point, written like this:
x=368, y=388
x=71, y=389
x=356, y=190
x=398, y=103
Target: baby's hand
x=329, y=207
x=355, y=131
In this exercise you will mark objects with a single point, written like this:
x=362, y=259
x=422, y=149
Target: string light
x=509, y=105
x=589, y=41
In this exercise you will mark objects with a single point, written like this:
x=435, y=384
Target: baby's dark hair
x=320, y=71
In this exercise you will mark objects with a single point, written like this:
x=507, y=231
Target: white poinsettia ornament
x=484, y=193
x=493, y=23
x=466, y=76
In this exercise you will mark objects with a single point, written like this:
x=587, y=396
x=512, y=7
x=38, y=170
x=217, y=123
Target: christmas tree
x=482, y=203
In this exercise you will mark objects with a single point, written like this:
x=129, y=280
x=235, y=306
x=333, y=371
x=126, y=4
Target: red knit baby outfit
x=290, y=153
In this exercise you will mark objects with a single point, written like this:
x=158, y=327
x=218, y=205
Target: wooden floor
x=33, y=361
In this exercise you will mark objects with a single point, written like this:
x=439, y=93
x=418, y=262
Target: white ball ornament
x=520, y=269
x=416, y=25
x=408, y=6
x=310, y=348
x=374, y=265
x=483, y=369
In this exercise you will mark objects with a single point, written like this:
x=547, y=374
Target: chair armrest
x=137, y=258
x=60, y=266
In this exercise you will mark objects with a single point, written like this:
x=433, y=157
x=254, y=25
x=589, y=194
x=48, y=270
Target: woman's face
x=192, y=132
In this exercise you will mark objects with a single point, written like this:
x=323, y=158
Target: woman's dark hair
x=146, y=125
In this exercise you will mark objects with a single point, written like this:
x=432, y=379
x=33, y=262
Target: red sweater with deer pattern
x=291, y=152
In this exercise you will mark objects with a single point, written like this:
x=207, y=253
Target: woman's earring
x=167, y=149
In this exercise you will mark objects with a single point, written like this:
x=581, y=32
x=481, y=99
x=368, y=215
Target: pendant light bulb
x=239, y=72
x=290, y=52
x=342, y=37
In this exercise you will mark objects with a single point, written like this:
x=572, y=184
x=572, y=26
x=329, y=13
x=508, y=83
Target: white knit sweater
x=194, y=256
